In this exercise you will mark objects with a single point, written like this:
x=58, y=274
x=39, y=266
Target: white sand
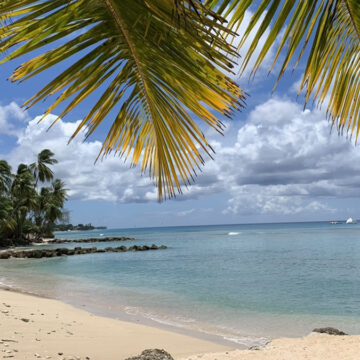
x=52, y=327
x=37, y=328
x=311, y=347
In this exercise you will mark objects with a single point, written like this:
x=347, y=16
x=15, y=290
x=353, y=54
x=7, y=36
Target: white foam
x=247, y=341
x=4, y=284
x=191, y=324
x=130, y=310
x=233, y=233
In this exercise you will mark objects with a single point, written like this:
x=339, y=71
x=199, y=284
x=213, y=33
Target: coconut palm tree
x=40, y=169
x=55, y=204
x=25, y=209
x=49, y=208
x=59, y=193
x=7, y=223
x=23, y=196
x=5, y=177
x=155, y=65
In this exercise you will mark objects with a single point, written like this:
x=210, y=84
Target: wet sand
x=37, y=328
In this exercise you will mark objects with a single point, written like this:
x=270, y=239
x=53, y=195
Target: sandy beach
x=39, y=328
x=311, y=347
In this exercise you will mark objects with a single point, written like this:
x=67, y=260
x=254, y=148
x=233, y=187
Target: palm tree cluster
x=153, y=67
x=28, y=211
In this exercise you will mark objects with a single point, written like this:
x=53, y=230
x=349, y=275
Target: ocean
x=242, y=284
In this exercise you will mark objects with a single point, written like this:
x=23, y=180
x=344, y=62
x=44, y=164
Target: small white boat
x=351, y=221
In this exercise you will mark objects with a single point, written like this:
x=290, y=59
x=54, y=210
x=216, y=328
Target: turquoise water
x=243, y=283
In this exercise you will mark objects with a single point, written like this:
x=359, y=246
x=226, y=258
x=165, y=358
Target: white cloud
x=12, y=119
x=109, y=180
x=296, y=86
x=185, y=212
x=284, y=161
x=253, y=201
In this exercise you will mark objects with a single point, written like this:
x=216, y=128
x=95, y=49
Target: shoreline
x=243, y=340
x=33, y=326
x=135, y=319
x=38, y=325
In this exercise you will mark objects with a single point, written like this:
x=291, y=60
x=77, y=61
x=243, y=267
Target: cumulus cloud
x=12, y=119
x=250, y=202
x=109, y=180
x=284, y=161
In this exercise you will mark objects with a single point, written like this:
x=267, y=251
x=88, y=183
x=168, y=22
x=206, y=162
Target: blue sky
x=277, y=162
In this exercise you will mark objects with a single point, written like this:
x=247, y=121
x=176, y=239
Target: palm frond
x=324, y=33
x=5, y=176
x=156, y=73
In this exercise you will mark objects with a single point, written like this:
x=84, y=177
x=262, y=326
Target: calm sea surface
x=242, y=283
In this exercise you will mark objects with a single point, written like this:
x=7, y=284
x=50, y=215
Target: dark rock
x=4, y=255
x=48, y=253
x=329, y=331
x=153, y=354
x=255, y=347
x=37, y=254
x=91, y=240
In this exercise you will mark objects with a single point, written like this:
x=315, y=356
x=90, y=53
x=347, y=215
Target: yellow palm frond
x=324, y=33
x=152, y=65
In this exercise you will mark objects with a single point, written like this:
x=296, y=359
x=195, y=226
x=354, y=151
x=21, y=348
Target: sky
x=276, y=162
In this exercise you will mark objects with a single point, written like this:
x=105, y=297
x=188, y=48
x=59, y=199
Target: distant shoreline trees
x=79, y=227
x=31, y=201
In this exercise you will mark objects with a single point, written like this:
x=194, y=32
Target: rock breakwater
x=49, y=253
x=91, y=240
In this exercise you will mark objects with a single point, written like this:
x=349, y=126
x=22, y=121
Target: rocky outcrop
x=91, y=240
x=48, y=253
x=153, y=354
x=329, y=331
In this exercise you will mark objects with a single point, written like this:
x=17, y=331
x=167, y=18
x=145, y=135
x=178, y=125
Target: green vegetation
x=79, y=227
x=153, y=66
x=28, y=211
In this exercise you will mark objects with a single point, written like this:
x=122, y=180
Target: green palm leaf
x=5, y=177
x=152, y=64
x=40, y=169
x=324, y=32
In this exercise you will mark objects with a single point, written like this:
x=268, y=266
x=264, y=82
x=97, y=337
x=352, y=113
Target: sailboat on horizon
x=350, y=220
